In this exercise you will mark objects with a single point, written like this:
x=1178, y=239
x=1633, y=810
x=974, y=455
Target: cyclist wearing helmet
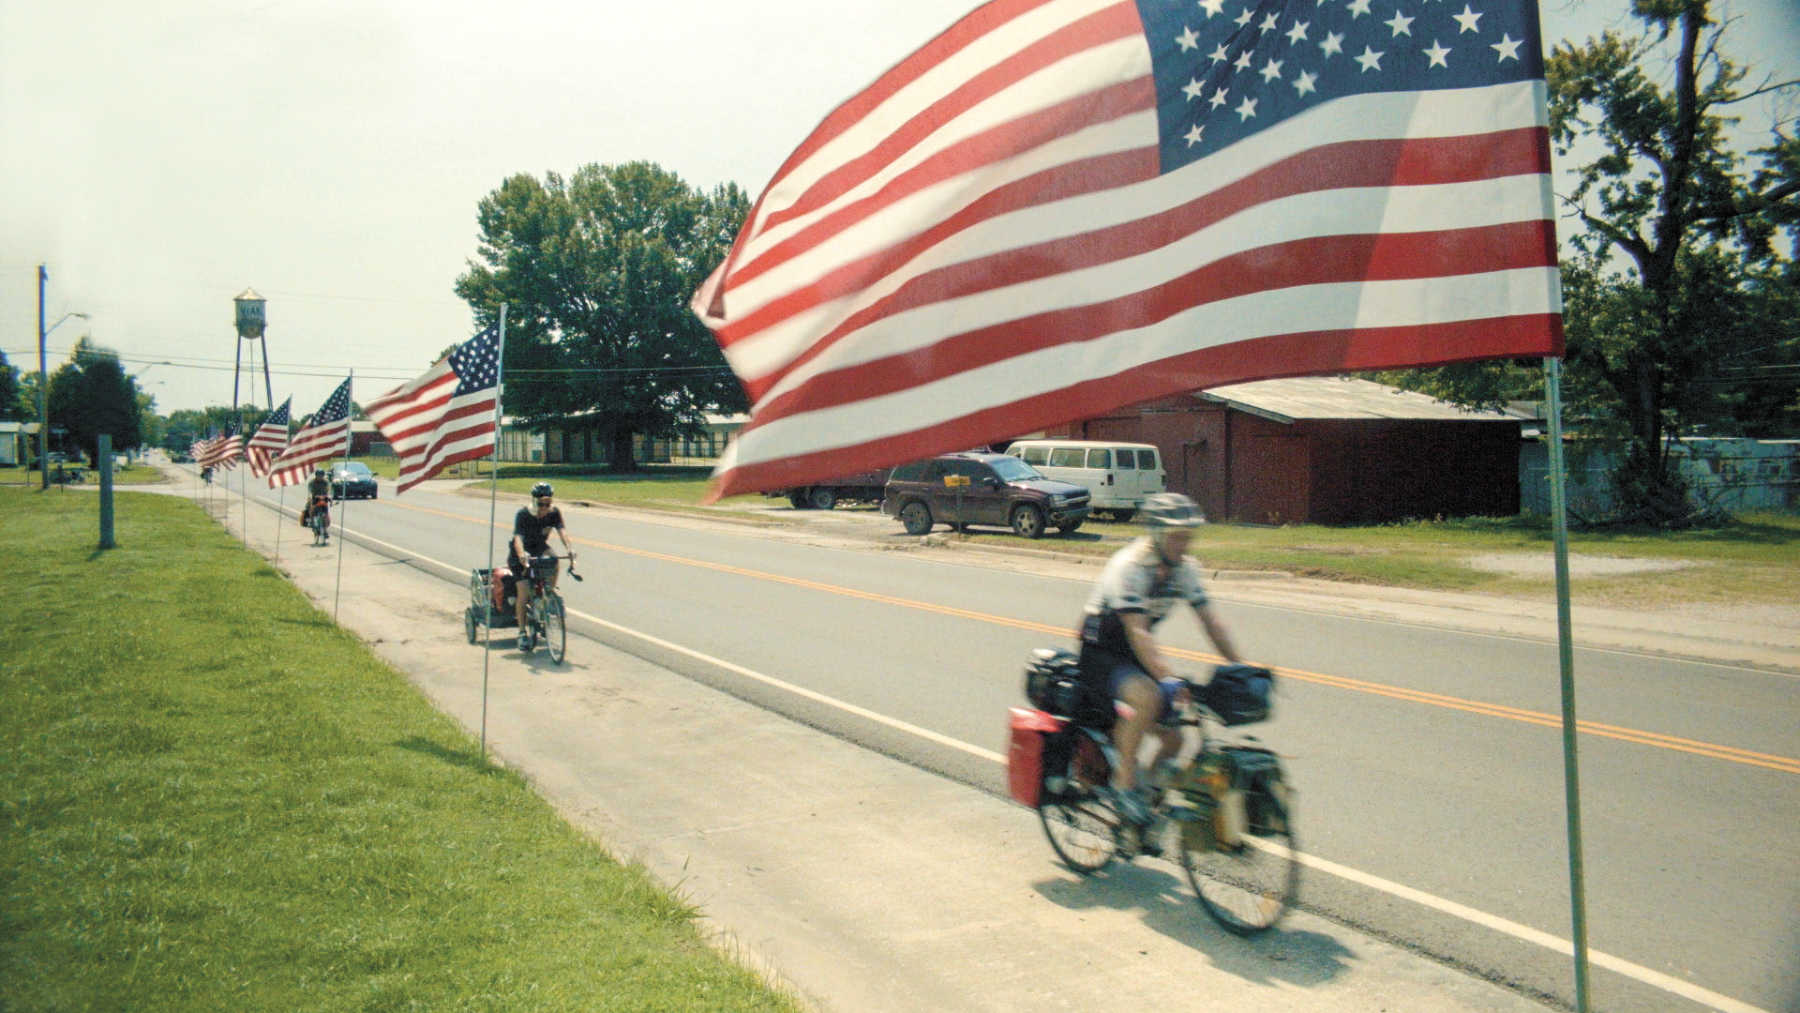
x=1138, y=588
x=318, y=495
x=531, y=537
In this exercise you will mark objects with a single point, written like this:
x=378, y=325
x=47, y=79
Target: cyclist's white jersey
x=1134, y=580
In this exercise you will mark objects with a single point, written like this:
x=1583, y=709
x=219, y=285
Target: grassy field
x=141, y=474
x=212, y=798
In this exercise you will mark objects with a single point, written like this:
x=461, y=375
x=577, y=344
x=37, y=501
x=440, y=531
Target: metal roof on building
x=1338, y=397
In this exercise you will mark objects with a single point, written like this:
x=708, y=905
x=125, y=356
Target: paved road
x=1424, y=756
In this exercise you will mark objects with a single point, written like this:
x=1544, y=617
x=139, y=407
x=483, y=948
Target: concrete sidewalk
x=861, y=882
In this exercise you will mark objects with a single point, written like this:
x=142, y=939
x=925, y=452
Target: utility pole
x=43, y=390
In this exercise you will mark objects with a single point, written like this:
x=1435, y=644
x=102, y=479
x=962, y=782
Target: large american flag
x=224, y=451
x=1058, y=207
x=326, y=436
x=445, y=416
x=269, y=440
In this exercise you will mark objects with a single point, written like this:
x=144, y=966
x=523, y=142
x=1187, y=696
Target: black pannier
x=1239, y=694
x=1053, y=681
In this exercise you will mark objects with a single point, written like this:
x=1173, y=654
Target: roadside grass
x=140, y=474
x=213, y=798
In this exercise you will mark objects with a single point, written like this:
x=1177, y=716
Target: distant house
x=1324, y=450
x=15, y=439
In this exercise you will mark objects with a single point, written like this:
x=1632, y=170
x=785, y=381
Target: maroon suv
x=963, y=489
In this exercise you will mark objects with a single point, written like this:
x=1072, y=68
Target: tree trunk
x=621, y=459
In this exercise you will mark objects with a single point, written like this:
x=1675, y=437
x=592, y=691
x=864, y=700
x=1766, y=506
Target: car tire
x=1027, y=521
x=917, y=518
x=821, y=498
x=1124, y=516
x=797, y=499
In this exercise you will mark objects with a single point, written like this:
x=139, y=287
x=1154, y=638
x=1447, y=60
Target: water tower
x=250, y=323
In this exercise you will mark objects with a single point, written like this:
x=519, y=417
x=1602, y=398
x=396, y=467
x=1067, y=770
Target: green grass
x=141, y=474
x=211, y=798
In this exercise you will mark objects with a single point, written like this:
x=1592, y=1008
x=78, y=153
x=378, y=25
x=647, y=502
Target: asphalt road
x=1430, y=780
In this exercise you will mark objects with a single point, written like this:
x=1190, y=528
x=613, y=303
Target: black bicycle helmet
x=1170, y=510
x=541, y=490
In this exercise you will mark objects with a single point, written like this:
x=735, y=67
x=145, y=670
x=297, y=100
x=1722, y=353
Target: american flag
x=224, y=451
x=445, y=416
x=269, y=440
x=1058, y=207
x=326, y=436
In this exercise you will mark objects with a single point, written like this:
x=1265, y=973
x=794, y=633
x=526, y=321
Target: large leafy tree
x=90, y=395
x=12, y=398
x=597, y=271
x=1679, y=282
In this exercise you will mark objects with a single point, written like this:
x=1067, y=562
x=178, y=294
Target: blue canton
x=279, y=417
x=1226, y=69
x=476, y=362
x=337, y=406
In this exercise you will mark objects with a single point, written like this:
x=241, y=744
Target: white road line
x=1655, y=979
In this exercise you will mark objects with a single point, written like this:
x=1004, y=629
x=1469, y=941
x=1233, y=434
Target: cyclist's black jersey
x=534, y=532
x=1135, y=580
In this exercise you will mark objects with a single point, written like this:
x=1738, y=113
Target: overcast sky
x=162, y=156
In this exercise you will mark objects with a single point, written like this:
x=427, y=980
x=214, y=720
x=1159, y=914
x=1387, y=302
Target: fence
x=1736, y=475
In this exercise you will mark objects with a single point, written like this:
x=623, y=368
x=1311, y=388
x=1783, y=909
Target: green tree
x=90, y=395
x=12, y=396
x=1679, y=287
x=597, y=272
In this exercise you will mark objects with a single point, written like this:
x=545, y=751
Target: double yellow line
x=1770, y=761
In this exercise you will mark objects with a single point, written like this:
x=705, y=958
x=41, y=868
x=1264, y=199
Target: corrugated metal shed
x=1337, y=397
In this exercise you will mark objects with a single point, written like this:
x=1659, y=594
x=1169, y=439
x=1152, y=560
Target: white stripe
x=899, y=108
x=1332, y=213
x=1076, y=75
x=1304, y=308
x=1363, y=117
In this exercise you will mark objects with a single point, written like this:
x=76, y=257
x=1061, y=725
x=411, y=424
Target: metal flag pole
x=493, y=499
x=244, y=481
x=344, y=514
x=1566, y=654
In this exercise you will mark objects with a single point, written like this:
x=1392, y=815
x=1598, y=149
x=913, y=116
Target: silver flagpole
x=493, y=499
x=343, y=515
x=1566, y=653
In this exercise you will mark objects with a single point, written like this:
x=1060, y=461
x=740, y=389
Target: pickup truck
x=862, y=487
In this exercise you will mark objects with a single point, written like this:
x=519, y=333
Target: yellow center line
x=1733, y=754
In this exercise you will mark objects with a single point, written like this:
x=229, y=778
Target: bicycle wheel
x=1080, y=824
x=1246, y=888
x=556, y=635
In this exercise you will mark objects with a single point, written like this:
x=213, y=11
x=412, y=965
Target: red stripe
x=468, y=455
x=406, y=397
x=1354, y=164
x=1260, y=359
x=986, y=148
x=485, y=406
x=1099, y=28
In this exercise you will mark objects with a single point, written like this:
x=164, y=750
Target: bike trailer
x=1030, y=730
x=491, y=588
x=1239, y=694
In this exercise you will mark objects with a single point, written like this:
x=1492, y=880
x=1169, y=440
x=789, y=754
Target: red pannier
x=1025, y=753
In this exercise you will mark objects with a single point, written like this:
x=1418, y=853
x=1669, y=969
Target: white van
x=1117, y=475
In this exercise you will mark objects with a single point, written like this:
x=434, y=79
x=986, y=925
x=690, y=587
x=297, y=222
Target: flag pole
x=1566, y=655
x=493, y=499
x=349, y=439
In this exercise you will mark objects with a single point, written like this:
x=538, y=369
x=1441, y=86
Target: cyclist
x=1139, y=586
x=531, y=537
x=318, y=495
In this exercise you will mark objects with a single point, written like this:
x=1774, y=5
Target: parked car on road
x=974, y=488
x=352, y=480
x=864, y=487
x=1117, y=475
